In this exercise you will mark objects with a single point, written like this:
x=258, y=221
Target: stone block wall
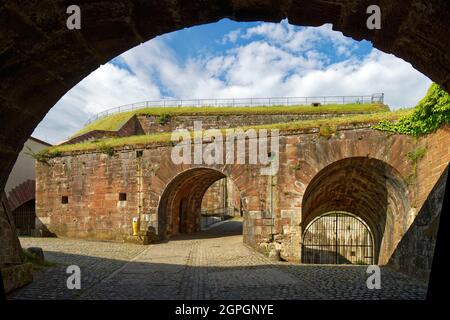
x=146, y=124
x=414, y=253
x=151, y=124
x=215, y=197
x=10, y=249
x=83, y=200
x=222, y=194
x=303, y=157
x=274, y=212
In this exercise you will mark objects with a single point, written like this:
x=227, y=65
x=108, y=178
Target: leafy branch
x=43, y=156
x=429, y=114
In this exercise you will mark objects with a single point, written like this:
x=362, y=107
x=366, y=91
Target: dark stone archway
x=368, y=188
x=40, y=59
x=21, y=194
x=181, y=202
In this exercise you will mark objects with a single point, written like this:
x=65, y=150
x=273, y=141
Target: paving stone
x=211, y=265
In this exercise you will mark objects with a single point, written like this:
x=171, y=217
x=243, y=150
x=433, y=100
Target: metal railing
x=242, y=102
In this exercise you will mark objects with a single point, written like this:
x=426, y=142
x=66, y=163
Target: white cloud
x=280, y=61
x=272, y=31
x=106, y=87
x=231, y=36
x=378, y=72
x=300, y=39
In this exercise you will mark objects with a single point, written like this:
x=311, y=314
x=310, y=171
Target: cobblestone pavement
x=211, y=265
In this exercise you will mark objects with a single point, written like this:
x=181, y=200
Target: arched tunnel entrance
x=372, y=201
x=221, y=201
x=180, y=208
x=24, y=217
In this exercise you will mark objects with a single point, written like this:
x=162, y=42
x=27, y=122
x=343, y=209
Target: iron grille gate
x=24, y=218
x=337, y=238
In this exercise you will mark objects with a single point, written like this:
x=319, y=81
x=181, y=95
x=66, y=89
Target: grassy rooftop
x=326, y=126
x=116, y=121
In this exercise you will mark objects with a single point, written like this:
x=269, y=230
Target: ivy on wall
x=429, y=114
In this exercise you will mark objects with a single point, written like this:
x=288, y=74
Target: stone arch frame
x=52, y=59
x=21, y=194
x=191, y=182
x=385, y=206
x=39, y=68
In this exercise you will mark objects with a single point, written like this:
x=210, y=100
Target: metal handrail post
x=376, y=97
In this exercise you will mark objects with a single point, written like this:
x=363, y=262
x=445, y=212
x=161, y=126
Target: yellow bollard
x=136, y=226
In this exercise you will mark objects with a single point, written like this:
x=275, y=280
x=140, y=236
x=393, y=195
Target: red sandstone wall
x=222, y=194
x=311, y=154
x=131, y=127
x=92, y=183
x=215, y=197
x=272, y=205
x=151, y=124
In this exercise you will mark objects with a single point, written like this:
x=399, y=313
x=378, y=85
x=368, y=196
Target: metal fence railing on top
x=242, y=102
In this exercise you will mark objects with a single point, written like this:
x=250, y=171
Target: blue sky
x=237, y=60
x=207, y=40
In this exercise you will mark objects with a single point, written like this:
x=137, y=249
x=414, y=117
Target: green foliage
x=45, y=155
x=163, y=118
x=326, y=131
x=292, y=126
x=106, y=149
x=430, y=113
x=414, y=157
x=115, y=121
x=37, y=264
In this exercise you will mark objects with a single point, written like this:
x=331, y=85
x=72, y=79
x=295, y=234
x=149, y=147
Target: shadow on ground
x=210, y=265
x=228, y=228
